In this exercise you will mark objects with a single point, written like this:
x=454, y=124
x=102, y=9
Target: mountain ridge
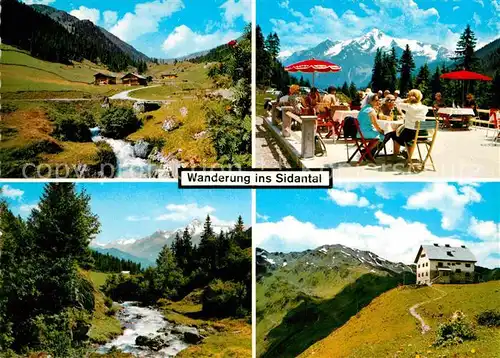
x=356, y=56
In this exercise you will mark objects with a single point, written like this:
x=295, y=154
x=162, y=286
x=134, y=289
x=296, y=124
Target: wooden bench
x=308, y=126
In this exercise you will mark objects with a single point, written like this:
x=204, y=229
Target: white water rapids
x=143, y=321
x=129, y=166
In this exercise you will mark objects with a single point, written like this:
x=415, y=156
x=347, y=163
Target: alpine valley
x=146, y=250
x=356, y=56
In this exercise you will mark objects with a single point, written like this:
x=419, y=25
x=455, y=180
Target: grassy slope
x=385, y=328
x=104, y=327
x=297, y=306
x=224, y=338
x=182, y=137
x=192, y=79
x=22, y=72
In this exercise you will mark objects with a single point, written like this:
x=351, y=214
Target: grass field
x=386, y=329
x=104, y=327
x=181, y=138
x=225, y=337
x=23, y=74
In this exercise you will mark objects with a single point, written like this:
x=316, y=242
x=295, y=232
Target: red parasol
x=464, y=75
x=313, y=66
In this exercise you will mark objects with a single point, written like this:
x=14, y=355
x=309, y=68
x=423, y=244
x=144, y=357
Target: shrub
x=157, y=142
x=106, y=159
x=119, y=122
x=74, y=128
x=455, y=331
x=6, y=108
x=489, y=318
x=224, y=298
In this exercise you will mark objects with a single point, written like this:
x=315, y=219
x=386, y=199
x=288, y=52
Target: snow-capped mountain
x=356, y=56
x=150, y=246
x=326, y=257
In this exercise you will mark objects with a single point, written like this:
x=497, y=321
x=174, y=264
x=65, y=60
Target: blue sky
x=389, y=219
x=303, y=24
x=136, y=210
x=163, y=28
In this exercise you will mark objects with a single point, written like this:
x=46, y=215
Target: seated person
x=438, y=102
x=311, y=102
x=397, y=95
x=356, y=102
x=415, y=112
x=367, y=119
x=293, y=99
x=388, y=109
x=470, y=102
x=331, y=98
x=387, y=93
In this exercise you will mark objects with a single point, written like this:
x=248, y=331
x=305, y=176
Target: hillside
x=490, y=56
x=385, y=327
x=303, y=296
x=56, y=36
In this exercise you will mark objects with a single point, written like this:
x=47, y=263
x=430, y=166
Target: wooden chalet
x=168, y=76
x=101, y=78
x=133, y=79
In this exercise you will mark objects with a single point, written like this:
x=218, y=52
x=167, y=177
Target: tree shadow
x=314, y=319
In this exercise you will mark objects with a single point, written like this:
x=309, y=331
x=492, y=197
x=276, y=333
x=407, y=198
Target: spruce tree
x=465, y=55
x=422, y=81
x=407, y=65
x=377, y=73
x=345, y=89
x=169, y=280
x=436, y=82
x=352, y=91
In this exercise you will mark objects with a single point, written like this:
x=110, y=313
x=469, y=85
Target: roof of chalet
x=106, y=74
x=446, y=253
x=135, y=75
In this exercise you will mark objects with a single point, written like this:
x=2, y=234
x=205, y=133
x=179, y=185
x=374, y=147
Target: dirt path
x=268, y=154
x=413, y=311
x=125, y=94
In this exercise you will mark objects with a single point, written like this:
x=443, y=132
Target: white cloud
x=27, y=208
x=262, y=217
x=234, y=9
x=38, y=2
x=393, y=238
x=184, y=212
x=138, y=218
x=145, y=19
x=455, y=8
x=480, y=2
x=11, y=193
x=447, y=199
x=476, y=18
x=485, y=230
x=381, y=190
x=110, y=18
x=85, y=13
x=496, y=5
x=183, y=41
x=347, y=198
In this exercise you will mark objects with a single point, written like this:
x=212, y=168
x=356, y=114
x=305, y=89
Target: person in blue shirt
x=367, y=118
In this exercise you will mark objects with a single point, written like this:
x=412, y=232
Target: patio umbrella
x=464, y=75
x=313, y=66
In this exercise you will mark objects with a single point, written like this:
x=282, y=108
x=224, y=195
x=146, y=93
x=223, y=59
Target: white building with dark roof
x=444, y=264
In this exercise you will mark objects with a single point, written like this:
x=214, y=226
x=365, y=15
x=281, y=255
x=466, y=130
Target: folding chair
x=353, y=131
x=324, y=121
x=494, y=120
x=443, y=119
x=425, y=135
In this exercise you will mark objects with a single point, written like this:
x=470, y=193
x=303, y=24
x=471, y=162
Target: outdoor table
x=463, y=113
x=387, y=126
x=340, y=115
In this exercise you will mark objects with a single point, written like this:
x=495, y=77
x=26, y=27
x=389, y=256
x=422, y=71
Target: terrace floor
x=466, y=154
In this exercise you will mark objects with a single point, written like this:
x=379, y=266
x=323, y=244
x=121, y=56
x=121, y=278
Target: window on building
x=427, y=274
x=449, y=253
x=458, y=271
x=423, y=255
x=467, y=274
x=449, y=264
x=440, y=264
x=467, y=265
x=418, y=265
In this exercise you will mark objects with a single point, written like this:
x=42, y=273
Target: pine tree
x=263, y=65
x=207, y=250
x=273, y=45
x=352, y=91
x=393, y=70
x=422, y=81
x=436, y=82
x=377, y=73
x=345, y=89
x=63, y=225
x=465, y=55
x=168, y=279
x=407, y=65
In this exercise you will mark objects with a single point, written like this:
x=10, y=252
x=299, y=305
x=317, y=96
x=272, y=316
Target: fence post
x=286, y=124
x=308, y=134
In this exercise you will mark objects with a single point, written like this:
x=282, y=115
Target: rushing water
x=143, y=321
x=129, y=165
